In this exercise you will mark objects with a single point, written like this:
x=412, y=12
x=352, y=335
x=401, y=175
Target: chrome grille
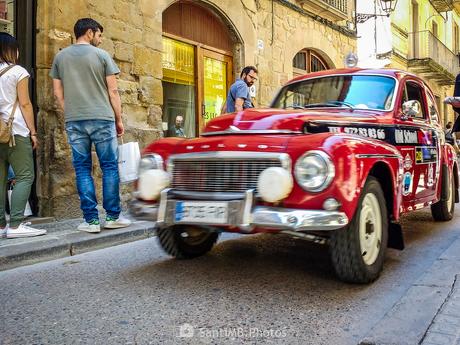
x=219, y=175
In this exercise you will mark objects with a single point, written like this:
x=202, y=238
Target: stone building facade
x=420, y=36
x=159, y=66
x=427, y=43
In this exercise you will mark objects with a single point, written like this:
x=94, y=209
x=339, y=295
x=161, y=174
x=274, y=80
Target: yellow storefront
x=197, y=69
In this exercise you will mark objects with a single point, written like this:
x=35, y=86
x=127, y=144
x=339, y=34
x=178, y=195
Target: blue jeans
x=102, y=133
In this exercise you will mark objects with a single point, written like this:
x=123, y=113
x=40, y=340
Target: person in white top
x=14, y=86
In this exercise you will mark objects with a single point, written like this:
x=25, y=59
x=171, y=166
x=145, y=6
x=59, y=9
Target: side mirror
x=411, y=109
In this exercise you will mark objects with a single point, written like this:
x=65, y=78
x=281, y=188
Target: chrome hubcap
x=194, y=236
x=370, y=229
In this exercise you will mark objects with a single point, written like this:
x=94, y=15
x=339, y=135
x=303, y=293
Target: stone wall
x=133, y=36
x=284, y=34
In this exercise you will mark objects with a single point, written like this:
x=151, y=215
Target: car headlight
x=314, y=171
x=274, y=184
x=152, y=177
x=150, y=161
x=151, y=183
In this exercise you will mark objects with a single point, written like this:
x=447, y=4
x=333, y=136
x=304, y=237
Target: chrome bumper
x=257, y=216
x=142, y=210
x=297, y=220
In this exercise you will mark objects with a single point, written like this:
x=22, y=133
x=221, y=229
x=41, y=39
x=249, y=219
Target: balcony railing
x=442, y=5
x=427, y=54
x=341, y=5
x=338, y=8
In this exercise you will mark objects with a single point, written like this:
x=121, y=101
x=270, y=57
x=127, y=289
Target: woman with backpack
x=18, y=137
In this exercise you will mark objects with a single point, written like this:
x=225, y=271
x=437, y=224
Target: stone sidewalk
x=429, y=312
x=63, y=239
x=445, y=328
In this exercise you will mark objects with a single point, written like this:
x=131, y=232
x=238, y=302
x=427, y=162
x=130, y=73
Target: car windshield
x=350, y=91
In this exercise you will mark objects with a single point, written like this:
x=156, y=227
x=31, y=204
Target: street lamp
x=387, y=6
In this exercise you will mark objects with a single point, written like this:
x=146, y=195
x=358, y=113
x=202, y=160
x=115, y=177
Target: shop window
x=197, y=67
x=307, y=61
x=7, y=8
x=178, y=64
x=215, y=87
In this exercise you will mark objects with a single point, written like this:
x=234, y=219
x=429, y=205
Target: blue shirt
x=239, y=89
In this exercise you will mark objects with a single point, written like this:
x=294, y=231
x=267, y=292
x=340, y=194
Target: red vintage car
x=337, y=159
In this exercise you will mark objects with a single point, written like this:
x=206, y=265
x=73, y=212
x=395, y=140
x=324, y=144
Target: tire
x=443, y=210
x=358, y=250
x=186, y=241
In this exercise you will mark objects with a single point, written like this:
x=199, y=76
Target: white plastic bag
x=128, y=161
x=27, y=211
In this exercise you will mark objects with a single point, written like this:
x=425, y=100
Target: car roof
x=396, y=73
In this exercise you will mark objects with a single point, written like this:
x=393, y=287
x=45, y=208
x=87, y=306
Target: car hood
x=282, y=121
x=259, y=143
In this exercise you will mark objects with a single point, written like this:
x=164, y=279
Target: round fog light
x=331, y=204
x=151, y=183
x=274, y=184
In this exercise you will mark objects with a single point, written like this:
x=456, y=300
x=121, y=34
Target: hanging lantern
x=388, y=6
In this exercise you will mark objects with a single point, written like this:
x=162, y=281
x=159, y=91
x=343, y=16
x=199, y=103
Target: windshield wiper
x=296, y=106
x=339, y=103
x=330, y=104
x=324, y=104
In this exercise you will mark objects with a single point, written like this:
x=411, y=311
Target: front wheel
x=186, y=241
x=358, y=250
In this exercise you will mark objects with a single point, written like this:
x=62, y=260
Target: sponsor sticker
x=408, y=162
x=406, y=136
x=370, y=132
x=407, y=183
x=430, y=181
x=425, y=154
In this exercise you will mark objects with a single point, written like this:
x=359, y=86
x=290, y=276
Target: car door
x=418, y=143
x=434, y=169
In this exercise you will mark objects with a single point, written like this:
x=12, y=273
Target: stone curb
x=411, y=318
x=57, y=245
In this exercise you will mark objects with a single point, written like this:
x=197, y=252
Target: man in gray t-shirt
x=238, y=97
x=82, y=69
x=85, y=88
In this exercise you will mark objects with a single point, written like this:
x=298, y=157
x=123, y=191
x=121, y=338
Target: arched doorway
x=306, y=61
x=197, y=67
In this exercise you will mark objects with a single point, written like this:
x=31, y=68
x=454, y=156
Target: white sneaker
x=3, y=231
x=93, y=226
x=120, y=222
x=24, y=230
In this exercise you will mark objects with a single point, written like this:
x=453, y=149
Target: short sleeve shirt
x=82, y=69
x=456, y=127
x=9, y=94
x=239, y=89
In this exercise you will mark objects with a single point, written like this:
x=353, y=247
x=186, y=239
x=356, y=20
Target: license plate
x=201, y=212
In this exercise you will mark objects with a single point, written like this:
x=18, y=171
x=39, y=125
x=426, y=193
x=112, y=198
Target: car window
x=432, y=109
x=354, y=91
x=414, y=92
